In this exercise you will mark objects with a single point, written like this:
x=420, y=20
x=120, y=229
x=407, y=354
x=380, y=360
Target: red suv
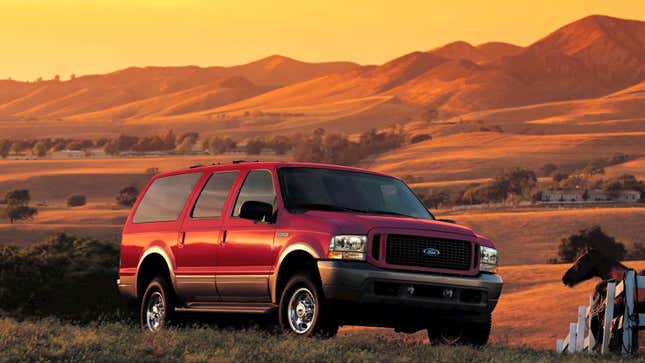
x=323, y=245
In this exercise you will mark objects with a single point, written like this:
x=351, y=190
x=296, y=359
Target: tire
x=303, y=311
x=475, y=334
x=157, y=306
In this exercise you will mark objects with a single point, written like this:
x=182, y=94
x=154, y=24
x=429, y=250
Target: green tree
x=127, y=196
x=592, y=237
x=40, y=149
x=18, y=197
x=255, y=146
x=20, y=212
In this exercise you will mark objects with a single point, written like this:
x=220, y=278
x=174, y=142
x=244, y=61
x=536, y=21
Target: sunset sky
x=47, y=37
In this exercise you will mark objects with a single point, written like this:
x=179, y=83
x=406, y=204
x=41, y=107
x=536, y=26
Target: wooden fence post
x=592, y=339
x=628, y=324
x=572, y=337
x=609, y=315
x=580, y=334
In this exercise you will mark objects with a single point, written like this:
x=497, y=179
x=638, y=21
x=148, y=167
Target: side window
x=258, y=186
x=212, y=198
x=165, y=198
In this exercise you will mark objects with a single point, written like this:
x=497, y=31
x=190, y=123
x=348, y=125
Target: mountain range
x=589, y=58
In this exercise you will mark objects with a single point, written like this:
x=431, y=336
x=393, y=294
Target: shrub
x=549, y=168
x=637, y=252
x=20, y=212
x=18, y=197
x=127, y=196
x=64, y=276
x=76, y=200
x=419, y=138
x=592, y=237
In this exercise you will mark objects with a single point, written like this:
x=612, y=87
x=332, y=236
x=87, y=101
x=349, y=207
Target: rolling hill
x=589, y=58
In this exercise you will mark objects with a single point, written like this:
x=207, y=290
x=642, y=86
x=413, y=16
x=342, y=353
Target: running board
x=223, y=307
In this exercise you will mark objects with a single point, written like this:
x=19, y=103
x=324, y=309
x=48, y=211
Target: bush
x=127, y=196
x=637, y=252
x=419, y=138
x=76, y=200
x=65, y=276
x=592, y=237
x=20, y=212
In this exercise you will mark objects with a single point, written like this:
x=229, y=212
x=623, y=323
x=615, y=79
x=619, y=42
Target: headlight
x=488, y=260
x=348, y=247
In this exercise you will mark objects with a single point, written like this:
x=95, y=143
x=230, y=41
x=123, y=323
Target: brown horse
x=592, y=263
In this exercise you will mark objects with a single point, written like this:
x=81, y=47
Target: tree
x=127, y=196
x=280, y=144
x=186, y=145
x=40, y=149
x=169, y=139
x=20, y=212
x=637, y=252
x=255, y=146
x=193, y=136
x=558, y=177
x=5, y=148
x=111, y=148
x=18, y=197
x=592, y=237
x=435, y=199
x=548, y=169
x=76, y=200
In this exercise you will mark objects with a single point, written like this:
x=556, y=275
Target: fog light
x=448, y=293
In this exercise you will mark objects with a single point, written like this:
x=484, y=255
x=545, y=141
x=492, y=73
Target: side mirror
x=447, y=220
x=256, y=211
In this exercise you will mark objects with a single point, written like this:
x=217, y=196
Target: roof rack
x=245, y=161
x=195, y=166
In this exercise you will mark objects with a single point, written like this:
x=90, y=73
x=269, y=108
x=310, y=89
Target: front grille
x=405, y=250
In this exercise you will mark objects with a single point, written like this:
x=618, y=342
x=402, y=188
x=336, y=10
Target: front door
x=245, y=256
x=200, y=235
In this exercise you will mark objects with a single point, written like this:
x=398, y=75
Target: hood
x=359, y=223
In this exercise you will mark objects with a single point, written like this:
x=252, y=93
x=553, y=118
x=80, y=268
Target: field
x=54, y=341
x=525, y=328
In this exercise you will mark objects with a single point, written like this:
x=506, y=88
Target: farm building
x=578, y=196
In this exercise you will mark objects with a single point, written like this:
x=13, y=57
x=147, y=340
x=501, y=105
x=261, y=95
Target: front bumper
x=362, y=283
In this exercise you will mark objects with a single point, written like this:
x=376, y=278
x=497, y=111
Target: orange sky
x=47, y=37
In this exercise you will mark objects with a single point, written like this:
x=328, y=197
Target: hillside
x=590, y=58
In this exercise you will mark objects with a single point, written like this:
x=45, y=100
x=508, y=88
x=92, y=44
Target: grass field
x=54, y=341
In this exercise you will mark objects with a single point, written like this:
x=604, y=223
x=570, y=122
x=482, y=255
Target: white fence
x=630, y=319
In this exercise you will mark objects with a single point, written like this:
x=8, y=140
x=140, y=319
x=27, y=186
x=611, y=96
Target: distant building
x=562, y=196
x=68, y=154
x=578, y=196
x=628, y=196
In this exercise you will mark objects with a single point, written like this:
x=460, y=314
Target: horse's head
x=589, y=264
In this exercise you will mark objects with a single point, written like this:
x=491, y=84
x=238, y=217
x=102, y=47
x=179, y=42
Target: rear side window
x=165, y=198
x=212, y=198
x=258, y=186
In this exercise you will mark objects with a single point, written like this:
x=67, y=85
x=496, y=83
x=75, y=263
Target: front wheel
x=157, y=306
x=475, y=334
x=302, y=309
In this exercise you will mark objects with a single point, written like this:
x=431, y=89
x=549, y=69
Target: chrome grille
x=406, y=250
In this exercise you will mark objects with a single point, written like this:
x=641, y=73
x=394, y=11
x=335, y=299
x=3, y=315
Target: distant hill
x=589, y=58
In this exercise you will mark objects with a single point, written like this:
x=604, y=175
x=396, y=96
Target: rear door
x=245, y=256
x=200, y=235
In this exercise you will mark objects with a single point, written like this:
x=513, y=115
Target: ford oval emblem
x=431, y=252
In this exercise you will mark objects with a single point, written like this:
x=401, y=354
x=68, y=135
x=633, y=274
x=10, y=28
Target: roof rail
x=195, y=166
x=245, y=161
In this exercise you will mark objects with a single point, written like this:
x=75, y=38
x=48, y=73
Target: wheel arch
x=154, y=261
x=297, y=257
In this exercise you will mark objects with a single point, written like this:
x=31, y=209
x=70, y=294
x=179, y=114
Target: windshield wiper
x=388, y=212
x=326, y=207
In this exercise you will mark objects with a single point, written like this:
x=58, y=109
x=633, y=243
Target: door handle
x=182, y=239
x=223, y=240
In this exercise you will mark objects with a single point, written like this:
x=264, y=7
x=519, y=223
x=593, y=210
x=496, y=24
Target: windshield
x=348, y=191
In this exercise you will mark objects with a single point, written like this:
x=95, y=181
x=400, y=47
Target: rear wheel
x=475, y=333
x=157, y=306
x=303, y=310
